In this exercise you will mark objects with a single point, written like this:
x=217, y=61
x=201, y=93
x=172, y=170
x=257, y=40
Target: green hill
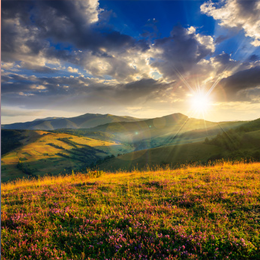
x=171, y=140
x=230, y=145
x=166, y=155
x=156, y=132
x=35, y=153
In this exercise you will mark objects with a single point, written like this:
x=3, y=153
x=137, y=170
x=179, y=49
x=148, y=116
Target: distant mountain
x=156, y=132
x=83, y=121
x=172, y=139
x=47, y=118
x=166, y=126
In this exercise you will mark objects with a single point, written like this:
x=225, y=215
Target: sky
x=137, y=58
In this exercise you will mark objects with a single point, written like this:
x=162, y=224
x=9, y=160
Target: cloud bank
x=61, y=54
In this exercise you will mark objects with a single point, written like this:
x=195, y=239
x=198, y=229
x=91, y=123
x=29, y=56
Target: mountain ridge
x=87, y=120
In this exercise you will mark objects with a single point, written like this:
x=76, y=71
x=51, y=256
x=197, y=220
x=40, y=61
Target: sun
x=200, y=102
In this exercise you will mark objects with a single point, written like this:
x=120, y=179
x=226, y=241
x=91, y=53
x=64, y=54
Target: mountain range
x=108, y=142
x=84, y=121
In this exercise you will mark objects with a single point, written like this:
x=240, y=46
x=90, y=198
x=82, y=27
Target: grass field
x=189, y=213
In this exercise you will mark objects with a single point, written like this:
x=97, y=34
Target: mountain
x=150, y=133
x=83, y=121
x=174, y=139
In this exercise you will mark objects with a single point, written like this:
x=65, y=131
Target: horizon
x=143, y=59
x=59, y=117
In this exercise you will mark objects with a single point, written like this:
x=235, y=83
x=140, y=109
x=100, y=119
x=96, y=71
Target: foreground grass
x=189, y=213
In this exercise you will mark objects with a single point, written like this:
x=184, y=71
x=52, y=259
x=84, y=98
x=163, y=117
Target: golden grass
x=222, y=170
x=208, y=212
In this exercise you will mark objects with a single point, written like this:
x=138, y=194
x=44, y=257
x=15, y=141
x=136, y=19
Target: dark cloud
x=45, y=91
x=254, y=57
x=223, y=58
x=73, y=22
x=247, y=6
x=242, y=80
x=225, y=63
x=140, y=89
x=181, y=51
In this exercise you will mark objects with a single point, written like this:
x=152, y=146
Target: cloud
x=13, y=112
x=25, y=94
x=238, y=14
x=86, y=91
x=242, y=80
x=75, y=32
x=25, y=28
x=72, y=70
x=181, y=52
x=108, y=67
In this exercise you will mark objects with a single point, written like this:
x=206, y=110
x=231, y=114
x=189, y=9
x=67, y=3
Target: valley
x=171, y=140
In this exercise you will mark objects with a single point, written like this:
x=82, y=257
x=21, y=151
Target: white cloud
x=38, y=87
x=237, y=14
x=72, y=70
x=25, y=94
x=7, y=65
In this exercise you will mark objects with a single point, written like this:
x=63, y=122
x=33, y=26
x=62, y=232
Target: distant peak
x=176, y=115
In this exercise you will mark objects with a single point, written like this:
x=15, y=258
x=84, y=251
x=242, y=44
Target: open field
x=188, y=213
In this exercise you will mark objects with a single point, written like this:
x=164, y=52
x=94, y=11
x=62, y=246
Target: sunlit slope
x=202, y=130
x=47, y=152
x=228, y=145
x=172, y=155
x=187, y=213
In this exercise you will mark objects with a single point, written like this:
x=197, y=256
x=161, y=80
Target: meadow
x=209, y=212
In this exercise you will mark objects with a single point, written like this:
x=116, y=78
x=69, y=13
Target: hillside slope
x=156, y=132
x=41, y=152
x=228, y=145
x=166, y=155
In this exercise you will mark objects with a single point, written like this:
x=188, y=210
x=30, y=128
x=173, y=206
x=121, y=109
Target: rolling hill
x=232, y=144
x=36, y=153
x=161, y=131
x=174, y=139
x=83, y=121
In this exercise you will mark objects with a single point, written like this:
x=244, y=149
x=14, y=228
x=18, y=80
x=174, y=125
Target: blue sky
x=137, y=58
x=132, y=17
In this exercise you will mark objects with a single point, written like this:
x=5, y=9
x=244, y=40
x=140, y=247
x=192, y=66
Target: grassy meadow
x=210, y=212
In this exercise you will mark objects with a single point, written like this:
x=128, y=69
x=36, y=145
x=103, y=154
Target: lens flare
x=200, y=102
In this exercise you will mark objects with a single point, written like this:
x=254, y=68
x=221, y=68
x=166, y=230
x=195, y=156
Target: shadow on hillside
x=13, y=139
